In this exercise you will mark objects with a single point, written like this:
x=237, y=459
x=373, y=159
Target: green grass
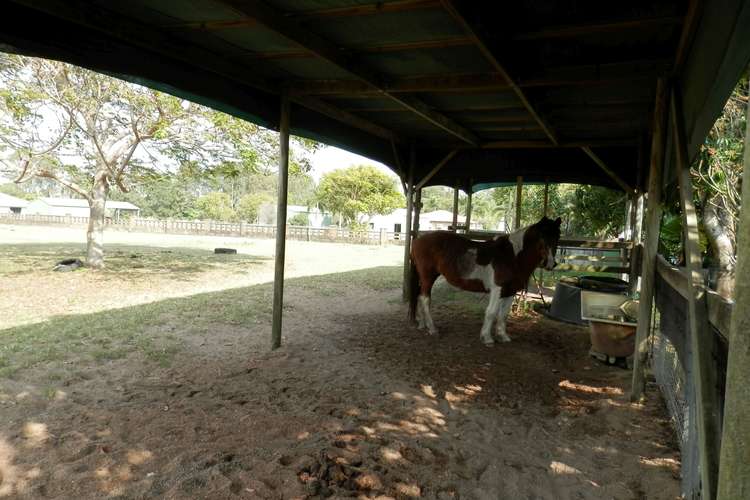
x=123, y=261
x=157, y=330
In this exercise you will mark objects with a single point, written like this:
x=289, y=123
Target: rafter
x=441, y=43
x=368, y=9
x=611, y=173
x=427, y=83
x=163, y=44
x=598, y=28
x=290, y=29
x=490, y=57
x=589, y=75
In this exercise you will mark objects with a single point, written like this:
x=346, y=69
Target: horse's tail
x=413, y=292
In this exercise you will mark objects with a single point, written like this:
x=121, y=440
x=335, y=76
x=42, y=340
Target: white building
x=428, y=221
x=11, y=204
x=79, y=208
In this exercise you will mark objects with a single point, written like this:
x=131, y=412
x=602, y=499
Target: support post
x=519, y=194
x=734, y=470
x=455, y=208
x=545, y=209
x=407, y=228
x=701, y=337
x=467, y=229
x=653, y=221
x=417, y=211
x=278, y=280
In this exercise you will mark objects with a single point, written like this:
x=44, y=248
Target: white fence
x=216, y=228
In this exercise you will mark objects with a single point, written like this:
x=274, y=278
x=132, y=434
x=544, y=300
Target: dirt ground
x=355, y=404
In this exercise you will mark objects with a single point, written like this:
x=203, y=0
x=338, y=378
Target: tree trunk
x=719, y=236
x=95, y=233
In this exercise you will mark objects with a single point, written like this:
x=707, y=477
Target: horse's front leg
x=489, y=316
x=505, y=305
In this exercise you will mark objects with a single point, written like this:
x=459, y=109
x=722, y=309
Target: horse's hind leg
x=424, y=317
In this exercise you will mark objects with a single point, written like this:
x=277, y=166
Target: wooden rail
x=719, y=308
x=216, y=228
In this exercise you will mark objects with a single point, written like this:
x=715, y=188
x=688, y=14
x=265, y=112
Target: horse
x=500, y=267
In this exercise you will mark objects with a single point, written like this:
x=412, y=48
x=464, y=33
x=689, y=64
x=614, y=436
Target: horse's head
x=548, y=238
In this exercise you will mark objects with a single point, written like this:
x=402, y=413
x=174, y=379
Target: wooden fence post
x=382, y=236
x=734, y=468
x=701, y=336
x=653, y=221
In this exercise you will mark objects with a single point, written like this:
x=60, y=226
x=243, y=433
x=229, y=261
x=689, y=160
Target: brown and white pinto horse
x=501, y=266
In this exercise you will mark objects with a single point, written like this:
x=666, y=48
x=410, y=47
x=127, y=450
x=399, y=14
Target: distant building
x=80, y=208
x=428, y=221
x=11, y=204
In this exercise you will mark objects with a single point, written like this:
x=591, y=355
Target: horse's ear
x=558, y=221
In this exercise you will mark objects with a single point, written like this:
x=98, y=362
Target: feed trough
x=612, y=321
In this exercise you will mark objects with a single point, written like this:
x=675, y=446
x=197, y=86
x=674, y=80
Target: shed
x=11, y=204
x=77, y=207
x=459, y=93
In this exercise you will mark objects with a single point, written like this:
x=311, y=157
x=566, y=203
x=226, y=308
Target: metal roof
x=516, y=88
x=7, y=200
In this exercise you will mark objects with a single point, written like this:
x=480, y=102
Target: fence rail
x=215, y=228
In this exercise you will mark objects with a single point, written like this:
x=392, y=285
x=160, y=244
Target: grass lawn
x=93, y=324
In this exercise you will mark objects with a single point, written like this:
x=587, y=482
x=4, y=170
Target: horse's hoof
x=504, y=339
x=488, y=343
x=432, y=332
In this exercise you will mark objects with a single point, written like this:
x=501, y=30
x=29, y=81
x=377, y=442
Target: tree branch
x=68, y=184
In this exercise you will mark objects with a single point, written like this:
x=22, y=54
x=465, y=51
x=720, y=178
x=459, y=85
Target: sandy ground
x=356, y=404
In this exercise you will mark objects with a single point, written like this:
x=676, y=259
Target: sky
x=330, y=158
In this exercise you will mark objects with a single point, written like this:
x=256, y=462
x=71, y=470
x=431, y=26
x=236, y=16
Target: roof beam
x=611, y=173
x=598, y=28
x=369, y=9
x=428, y=83
x=436, y=169
x=490, y=57
x=477, y=82
x=690, y=26
x=441, y=43
x=305, y=38
x=157, y=42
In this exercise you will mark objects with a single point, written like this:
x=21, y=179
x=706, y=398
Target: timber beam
x=499, y=68
x=611, y=173
x=166, y=45
x=436, y=169
x=288, y=28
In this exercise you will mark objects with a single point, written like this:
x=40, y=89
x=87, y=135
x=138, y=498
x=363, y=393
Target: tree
x=717, y=176
x=92, y=133
x=215, y=206
x=13, y=190
x=249, y=206
x=356, y=191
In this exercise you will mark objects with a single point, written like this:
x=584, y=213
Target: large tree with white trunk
x=93, y=133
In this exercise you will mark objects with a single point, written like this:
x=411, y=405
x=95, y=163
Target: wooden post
x=468, y=210
x=455, y=208
x=701, y=336
x=407, y=230
x=278, y=280
x=519, y=194
x=734, y=470
x=653, y=221
x=417, y=211
x=545, y=209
